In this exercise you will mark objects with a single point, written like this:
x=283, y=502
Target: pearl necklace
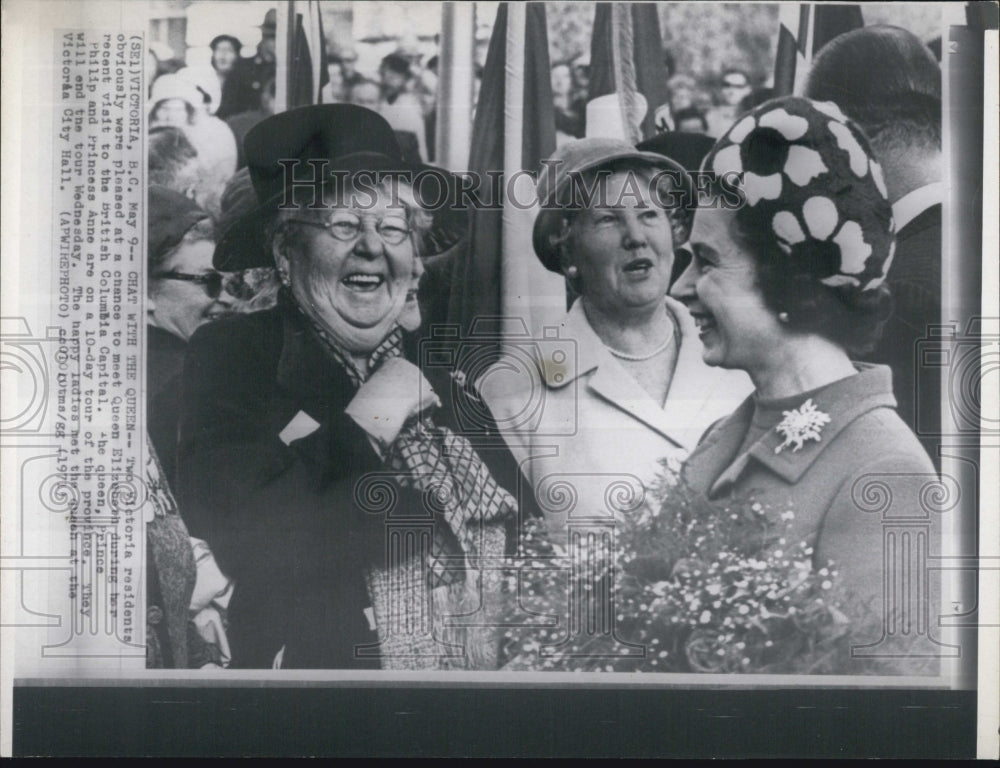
x=641, y=358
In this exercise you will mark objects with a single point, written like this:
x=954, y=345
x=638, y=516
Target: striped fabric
x=626, y=58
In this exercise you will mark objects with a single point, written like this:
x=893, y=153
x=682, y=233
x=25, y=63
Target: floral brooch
x=801, y=424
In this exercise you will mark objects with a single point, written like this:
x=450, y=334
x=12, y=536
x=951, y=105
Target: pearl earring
x=572, y=271
x=783, y=317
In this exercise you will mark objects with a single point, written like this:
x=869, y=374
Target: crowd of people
x=689, y=108
x=329, y=504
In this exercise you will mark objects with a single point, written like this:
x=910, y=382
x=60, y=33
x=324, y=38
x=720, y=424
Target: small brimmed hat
x=351, y=139
x=270, y=21
x=562, y=172
x=810, y=175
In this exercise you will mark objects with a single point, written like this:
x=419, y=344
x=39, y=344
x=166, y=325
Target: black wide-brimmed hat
x=349, y=139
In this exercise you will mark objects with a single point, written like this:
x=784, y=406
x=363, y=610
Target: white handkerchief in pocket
x=301, y=425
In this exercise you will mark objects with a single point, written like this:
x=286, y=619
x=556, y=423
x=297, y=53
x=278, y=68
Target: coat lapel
x=693, y=387
x=844, y=401
x=716, y=456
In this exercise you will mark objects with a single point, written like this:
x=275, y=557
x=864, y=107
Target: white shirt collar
x=912, y=204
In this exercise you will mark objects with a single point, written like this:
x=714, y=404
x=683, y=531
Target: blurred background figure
x=669, y=64
x=160, y=60
x=237, y=93
x=400, y=107
x=262, y=67
x=409, y=50
x=333, y=91
x=569, y=122
x=242, y=122
x=366, y=93
x=211, y=136
x=735, y=87
x=172, y=102
x=347, y=58
x=177, y=102
x=690, y=120
x=172, y=162
x=900, y=112
x=682, y=89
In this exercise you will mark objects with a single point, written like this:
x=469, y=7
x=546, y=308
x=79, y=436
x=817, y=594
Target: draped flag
x=496, y=274
x=301, y=53
x=803, y=29
x=628, y=79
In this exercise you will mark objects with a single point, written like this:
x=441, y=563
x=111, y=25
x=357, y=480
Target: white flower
x=788, y=515
x=826, y=584
x=801, y=424
x=706, y=616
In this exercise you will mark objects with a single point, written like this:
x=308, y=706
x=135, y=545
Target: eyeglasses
x=211, y=281
x=347, y=227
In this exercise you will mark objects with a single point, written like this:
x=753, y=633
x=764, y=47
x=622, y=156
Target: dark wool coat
x=298, y=525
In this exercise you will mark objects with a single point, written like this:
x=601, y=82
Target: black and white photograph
x=500, y=379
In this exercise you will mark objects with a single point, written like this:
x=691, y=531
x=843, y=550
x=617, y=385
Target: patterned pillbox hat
x=809, y=174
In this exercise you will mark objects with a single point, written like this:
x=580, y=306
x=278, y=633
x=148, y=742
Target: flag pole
x=456, y=67
x=282, y=51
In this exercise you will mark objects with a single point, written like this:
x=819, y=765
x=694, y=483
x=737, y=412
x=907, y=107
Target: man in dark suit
x=889, y=82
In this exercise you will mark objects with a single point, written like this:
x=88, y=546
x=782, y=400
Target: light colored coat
x=587, y=437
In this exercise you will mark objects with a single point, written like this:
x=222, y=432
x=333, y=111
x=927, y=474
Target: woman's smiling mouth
x=363, y=282
x=704, y=321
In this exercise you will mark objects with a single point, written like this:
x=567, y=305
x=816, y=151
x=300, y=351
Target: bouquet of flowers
x=690, y=587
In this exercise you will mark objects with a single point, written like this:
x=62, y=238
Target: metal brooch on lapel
x=800, y=425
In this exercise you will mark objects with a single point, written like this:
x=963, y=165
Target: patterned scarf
x=443, y=466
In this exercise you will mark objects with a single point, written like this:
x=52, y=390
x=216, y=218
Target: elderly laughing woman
x=787, y=287
x=321, y=464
